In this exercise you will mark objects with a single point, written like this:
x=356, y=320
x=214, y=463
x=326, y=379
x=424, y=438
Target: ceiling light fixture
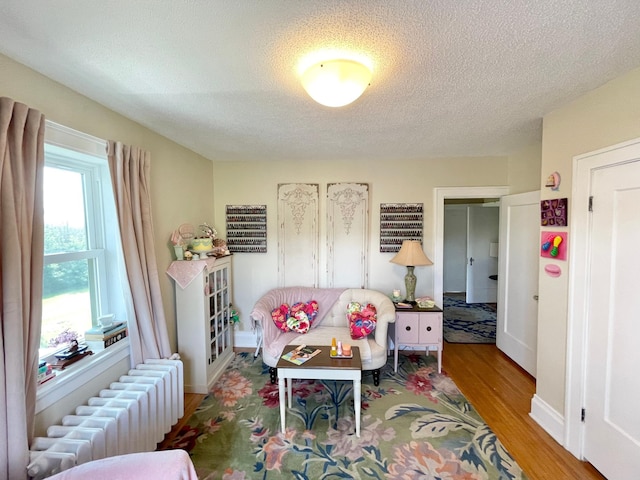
x=335, y=83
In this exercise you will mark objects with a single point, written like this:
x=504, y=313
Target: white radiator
x=132, y=415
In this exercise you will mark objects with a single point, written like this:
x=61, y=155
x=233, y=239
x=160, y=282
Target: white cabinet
x=418, y=327
x=203, y=313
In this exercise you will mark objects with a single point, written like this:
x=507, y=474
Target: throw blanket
x=274, y=339
x=167, y=464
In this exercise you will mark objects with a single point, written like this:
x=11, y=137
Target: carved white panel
x=298, y=234
x=348, y=235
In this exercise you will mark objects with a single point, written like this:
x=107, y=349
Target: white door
x=482, y=231
x=517, y=326
x=455, y=248
x=612, y=422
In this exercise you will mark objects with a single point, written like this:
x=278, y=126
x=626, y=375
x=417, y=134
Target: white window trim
x=77, y=375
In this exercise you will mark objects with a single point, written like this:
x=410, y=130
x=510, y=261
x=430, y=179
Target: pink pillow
x=297, y=318
x=362, y=319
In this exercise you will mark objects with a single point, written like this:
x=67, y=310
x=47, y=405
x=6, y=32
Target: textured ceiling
x=451, y=78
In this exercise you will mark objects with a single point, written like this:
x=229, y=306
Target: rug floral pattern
x=415, y=425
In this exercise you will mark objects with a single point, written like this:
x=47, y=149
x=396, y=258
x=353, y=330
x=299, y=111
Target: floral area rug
x=415, y=425
x=468, y=322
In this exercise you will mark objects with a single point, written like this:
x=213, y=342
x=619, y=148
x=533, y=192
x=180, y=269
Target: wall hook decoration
x=553, y=181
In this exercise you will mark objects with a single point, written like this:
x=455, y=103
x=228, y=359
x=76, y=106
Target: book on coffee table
x=300, y=354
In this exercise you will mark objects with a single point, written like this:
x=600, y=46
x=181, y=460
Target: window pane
x=66, y=301
x=64, y=215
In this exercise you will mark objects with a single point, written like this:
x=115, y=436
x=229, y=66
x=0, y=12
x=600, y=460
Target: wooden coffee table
x=321, y=367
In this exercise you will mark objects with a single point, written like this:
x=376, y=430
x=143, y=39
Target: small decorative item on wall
x=398, y=222
x=553, y=270
x=247, y=228
x=553, y=245
x=553, y=181
x=554, y=213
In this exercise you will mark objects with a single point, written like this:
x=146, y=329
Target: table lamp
x=411, y=255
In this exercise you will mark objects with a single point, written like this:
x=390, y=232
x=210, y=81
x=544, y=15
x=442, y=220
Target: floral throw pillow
x=362, y=319
x=297, y=318
x=280, y=315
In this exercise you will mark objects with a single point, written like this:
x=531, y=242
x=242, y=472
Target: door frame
x=575, y=386
x=440, y=194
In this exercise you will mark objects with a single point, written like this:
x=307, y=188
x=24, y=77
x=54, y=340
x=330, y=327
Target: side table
x=417, y=327
x=321, y=367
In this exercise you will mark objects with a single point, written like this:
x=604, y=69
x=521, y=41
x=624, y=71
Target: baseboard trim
x=245, y=339
x=548, y=418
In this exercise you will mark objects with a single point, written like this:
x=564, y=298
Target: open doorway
x=459, y=194
x=470, y=270
x=516, y=333
x=470, y=248
x=479, y=195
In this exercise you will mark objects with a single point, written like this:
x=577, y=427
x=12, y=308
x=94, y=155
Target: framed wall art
x=247, y=228
x=399, y=222
x=554, y=212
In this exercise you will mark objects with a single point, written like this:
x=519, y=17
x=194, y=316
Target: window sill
x=76, y=375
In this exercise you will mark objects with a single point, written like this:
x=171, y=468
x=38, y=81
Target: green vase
x=410, y=285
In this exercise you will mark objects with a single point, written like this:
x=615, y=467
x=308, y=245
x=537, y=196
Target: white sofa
x=331, y=322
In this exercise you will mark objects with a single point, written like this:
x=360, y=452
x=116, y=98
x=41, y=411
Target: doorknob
x=535, y=297
x=471, y=261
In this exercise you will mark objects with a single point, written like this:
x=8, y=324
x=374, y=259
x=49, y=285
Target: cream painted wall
x=182, y=190
x=606, y=116
x=404, y=182
x=181, y=181
x=524, y=169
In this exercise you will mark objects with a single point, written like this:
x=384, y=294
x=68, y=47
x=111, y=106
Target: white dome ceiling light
x=335, y=83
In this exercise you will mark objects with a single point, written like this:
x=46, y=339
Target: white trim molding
x=71, y=139
x=579, y=268
x=548, y=418
x=246, y=339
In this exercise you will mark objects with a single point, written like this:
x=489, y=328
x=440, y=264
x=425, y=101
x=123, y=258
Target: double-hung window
x=81, y=247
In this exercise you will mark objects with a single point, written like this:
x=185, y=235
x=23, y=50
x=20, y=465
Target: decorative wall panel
x=298, y=234
x=347, y=235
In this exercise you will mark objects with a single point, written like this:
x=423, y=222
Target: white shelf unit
x=205, y=330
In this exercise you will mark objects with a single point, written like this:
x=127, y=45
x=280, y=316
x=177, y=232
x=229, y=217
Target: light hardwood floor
x=501, y=392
